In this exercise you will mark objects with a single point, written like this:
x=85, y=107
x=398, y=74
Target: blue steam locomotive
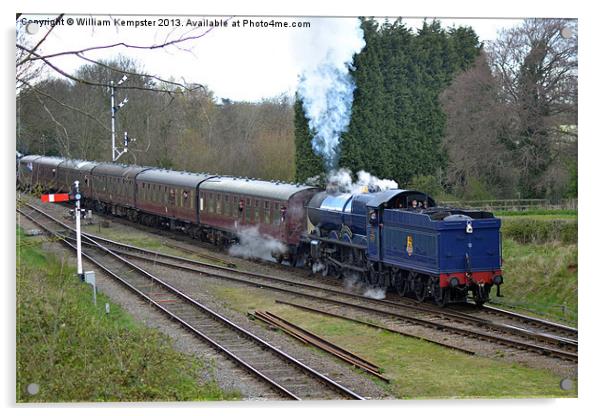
x=401, y=239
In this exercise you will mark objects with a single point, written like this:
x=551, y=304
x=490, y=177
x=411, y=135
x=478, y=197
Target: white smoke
x=252, y=245
x=341, y=181
x=325, y=86
x=317, y=267
x=375, y=293
x=353, y=283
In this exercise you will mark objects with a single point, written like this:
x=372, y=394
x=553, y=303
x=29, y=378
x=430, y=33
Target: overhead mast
x=116, y=152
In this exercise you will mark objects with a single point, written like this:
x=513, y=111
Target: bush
x=525, y=230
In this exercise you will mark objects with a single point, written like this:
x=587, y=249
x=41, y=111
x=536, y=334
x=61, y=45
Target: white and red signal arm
x=55, y=197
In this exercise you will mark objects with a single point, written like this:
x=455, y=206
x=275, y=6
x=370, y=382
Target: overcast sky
x=240, y=63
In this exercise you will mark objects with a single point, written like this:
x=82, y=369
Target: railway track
x=455, y=322
x=285, y=375
x=485, y=312
x=514, y=317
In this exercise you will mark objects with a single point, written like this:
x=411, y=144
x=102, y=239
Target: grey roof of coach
x=255, y=188
x=172, y=177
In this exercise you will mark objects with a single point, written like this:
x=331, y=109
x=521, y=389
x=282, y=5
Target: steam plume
x=326, y=87
x=253, y=245
x=341, y=181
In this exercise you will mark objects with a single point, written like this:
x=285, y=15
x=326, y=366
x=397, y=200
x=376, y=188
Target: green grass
x=541, y=263
x=75, y=352
x=417, y=369
x=541, y=278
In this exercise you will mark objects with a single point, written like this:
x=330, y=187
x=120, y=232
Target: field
x=75, y=352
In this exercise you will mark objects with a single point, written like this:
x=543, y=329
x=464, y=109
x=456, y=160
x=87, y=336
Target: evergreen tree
x=307, y=163
x=397, y=122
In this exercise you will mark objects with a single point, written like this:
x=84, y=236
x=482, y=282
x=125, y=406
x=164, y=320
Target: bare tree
x=536, y=65
x=475, y=118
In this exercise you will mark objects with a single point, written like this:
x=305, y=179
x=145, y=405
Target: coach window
x=201, y=201
x=276, y=214
x=257, y=212
x=266, y=211
x=210, y=202
x=248, y=209
x=185, y=199
x=227, y=209
x=218, y=204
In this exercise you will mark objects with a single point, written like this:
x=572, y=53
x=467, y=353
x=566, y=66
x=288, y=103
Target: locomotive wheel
x=325, y=270
x=401, y=284
x=419, y=286
x=440, y=294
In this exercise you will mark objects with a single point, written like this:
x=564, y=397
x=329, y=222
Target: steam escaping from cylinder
x=353, y=283
x=253, y=245
x=326, y=87
x=341, y=181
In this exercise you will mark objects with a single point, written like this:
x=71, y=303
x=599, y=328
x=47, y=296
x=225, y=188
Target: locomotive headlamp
x=498, y=280
x=469, y=227
x=454, y=282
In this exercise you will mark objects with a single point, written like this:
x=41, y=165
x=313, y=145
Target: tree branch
x=27, y=58
x=126, y=45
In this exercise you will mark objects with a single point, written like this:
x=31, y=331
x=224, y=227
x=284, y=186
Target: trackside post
x=77, y=196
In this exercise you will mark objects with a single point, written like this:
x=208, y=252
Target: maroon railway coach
x=170, y=196
x=25, y=173
x=76, y=170
x=113, y=188
x=45, y=173
x=277, y=209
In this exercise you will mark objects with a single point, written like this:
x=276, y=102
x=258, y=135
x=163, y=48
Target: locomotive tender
x=393, y=239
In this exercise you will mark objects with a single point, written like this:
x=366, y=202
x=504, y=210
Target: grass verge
x=541, y=278
x=560, y=213
x=75, y=352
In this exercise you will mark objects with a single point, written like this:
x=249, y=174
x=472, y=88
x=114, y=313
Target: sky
x=244, y=63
